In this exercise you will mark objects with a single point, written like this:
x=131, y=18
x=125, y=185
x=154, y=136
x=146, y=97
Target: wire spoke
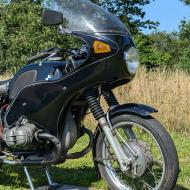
x=147, y=185
x=143, y=145
x=156, y=180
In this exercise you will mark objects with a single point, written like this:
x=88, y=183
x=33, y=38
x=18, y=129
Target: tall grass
x=167, y=91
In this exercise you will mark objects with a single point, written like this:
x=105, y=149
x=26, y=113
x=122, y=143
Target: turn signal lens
x=100, y=47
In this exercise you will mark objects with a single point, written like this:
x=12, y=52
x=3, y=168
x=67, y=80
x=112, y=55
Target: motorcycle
x=43, y=106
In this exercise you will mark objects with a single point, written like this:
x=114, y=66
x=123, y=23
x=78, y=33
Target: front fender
x=139, y=109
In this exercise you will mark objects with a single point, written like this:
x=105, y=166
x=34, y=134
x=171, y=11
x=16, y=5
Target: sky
x=168, y=13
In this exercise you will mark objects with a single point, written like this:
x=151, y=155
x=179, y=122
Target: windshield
x=85, y=16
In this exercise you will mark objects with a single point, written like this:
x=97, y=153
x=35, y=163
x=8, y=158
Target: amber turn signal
x=100, y=47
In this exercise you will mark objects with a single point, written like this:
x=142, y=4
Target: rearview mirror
x=51, y=18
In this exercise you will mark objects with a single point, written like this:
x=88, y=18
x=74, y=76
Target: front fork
x=121, y=156
x=105, y=124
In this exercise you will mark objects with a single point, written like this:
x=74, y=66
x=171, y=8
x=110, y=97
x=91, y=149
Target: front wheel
x=155, y=165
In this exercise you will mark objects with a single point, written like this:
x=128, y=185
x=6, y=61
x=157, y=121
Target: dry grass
x=167, y=91
x=5, y=77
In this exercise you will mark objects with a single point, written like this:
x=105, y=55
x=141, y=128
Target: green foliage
x=81, y=172
x=130, y=12
x=184, y=33
x=184, y=37
x=184, y=62
x=169, y=50
x=185, y=45
x=187, y=2
x=158, y=49
x=22, y=34
x=166, y=46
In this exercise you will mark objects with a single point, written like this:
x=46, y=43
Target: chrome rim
x=154, y=174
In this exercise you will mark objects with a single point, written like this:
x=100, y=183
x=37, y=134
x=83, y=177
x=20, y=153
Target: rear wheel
x=155, y=165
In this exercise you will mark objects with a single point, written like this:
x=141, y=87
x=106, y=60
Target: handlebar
x=76, y=53
x=43, y=54
x=39, y=56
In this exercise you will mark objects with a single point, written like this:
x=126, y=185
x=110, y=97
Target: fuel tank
x=46, y=71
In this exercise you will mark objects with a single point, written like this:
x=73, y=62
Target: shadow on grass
x=14, y=177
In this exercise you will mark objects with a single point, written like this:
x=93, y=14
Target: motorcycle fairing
x=42, y=102
x=45, y=102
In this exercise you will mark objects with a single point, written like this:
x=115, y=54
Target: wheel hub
x=141, y=162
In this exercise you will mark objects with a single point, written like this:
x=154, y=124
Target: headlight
x=131, y=58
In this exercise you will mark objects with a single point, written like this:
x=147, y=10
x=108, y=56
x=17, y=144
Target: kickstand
x=51, y=185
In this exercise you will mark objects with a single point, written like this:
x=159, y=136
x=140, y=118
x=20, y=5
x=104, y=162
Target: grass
x=81, y=172
x=167, y=91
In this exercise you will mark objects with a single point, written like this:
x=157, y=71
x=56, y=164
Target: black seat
x=4, y=87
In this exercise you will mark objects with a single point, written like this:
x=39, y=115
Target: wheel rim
x=154, y=175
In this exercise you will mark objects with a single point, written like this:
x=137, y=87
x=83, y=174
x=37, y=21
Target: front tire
x=155, y=148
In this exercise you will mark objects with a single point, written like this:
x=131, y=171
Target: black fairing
x=46, y=102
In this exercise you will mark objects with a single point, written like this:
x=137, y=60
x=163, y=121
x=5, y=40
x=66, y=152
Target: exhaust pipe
x=78, y=155
x=57, y=152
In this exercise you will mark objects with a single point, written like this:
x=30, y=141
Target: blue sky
x=168, y=13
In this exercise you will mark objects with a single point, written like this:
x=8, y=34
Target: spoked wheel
x=154, y=160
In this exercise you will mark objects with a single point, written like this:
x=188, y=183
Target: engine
x=30, y=145
x=22, y=136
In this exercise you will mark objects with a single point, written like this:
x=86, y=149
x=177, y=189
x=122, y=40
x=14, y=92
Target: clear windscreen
x=85, y=16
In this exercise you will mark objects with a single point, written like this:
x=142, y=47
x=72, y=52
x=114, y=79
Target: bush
x=22, y=34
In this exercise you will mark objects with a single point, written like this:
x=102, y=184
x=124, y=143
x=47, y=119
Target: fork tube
x=122, y=158
x=99, y=115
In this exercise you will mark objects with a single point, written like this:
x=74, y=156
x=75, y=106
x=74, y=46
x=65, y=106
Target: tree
x=130, y=12
x=22, y=34
x=184, y=33
x=184, y=37
x=159, y=49
x=187, y=2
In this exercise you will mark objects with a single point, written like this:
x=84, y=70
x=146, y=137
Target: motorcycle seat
x=4, y=87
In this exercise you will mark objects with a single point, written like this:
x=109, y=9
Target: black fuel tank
x=32, y=73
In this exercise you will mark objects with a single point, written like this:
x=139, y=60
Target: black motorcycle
x=44, y=104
